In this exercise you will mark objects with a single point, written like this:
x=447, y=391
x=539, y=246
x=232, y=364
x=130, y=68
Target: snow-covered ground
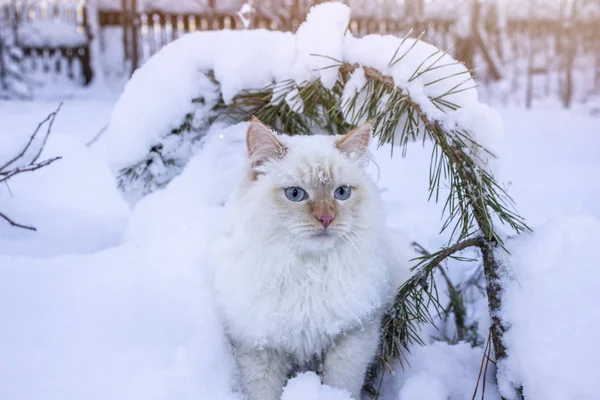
x=105, y=301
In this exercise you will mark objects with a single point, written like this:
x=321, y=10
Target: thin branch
x=97, y=136
x=51, y=117
x=456, y=304
x=28, y=168
x=448, y=251
x=424, y=252
x=22, y=153
x=483, y=357
x=6, y=174
x=15, y=224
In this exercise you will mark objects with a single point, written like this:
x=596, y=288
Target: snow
x=218, y=166
x=50, y=34
x=246, y=14
x=441, y=371
x=550, y=306
x=489, y=126
x=354, y=86
x=110, y=344
x=551, y=151
x=130, y=322
x=73, y=203
x=182, y=7
x=155, y=101
x=319, y=41
x=307, y=386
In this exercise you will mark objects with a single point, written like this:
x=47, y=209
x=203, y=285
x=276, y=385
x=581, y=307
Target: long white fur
x=286, y=296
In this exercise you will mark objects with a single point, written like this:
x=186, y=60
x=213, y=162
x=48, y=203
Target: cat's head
x=310, y=192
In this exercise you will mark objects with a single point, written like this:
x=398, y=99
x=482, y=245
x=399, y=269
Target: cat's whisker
x=347, y=240
x=353, y=242
x=298, y=240
x=276, y=237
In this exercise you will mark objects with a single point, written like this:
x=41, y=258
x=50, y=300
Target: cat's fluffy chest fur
x=299, y=303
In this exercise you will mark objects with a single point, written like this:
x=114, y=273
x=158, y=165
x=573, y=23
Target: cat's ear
x=356, y=141
x=262, y=144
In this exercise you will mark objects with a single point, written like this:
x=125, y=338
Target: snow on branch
x=24, y=162
x=220, y=66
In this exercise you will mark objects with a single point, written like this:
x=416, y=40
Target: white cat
x=304, y=269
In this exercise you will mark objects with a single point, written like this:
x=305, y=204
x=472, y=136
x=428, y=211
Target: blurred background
x=521, y=51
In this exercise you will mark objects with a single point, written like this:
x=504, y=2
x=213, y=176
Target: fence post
x=88, y=72
x=125, y=23
x=134, y=22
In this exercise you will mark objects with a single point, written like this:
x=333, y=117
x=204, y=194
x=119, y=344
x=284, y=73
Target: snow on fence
x=53, y=36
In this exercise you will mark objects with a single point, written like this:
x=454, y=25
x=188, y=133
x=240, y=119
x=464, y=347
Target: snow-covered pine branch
x=220, y=66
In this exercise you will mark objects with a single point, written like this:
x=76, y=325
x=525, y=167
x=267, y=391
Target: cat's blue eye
x=342, y=193
x=296, y=194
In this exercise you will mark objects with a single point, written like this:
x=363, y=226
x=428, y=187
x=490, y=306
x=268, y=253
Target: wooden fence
x=535, y=52
x=41, y=51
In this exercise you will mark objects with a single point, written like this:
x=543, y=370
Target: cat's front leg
x=346, y=361
x=264, y=372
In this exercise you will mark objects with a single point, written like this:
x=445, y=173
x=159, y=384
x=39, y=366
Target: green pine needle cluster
x=141, y=175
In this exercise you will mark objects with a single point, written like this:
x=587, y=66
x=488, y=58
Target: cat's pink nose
x=325, y=220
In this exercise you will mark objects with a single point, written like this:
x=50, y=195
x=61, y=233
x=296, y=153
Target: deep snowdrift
x=550, y=304
x=137, y=320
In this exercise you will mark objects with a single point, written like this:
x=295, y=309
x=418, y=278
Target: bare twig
x=28, y=168
x=483, y=357
x=33, y=165
x=15, y=224
x=97, y=136
x=50, y=118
